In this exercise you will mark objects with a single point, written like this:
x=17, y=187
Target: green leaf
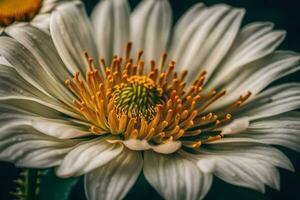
x=53, y=187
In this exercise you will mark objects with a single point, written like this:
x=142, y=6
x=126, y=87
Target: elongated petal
x=184, y=22
x=276, y=100
x=58, y=128
x=150, y=28
x=281, y=130
x=72, y=35
x=175, y=177
x=54, y=126
x=254, y=41
x=29, y=107
x=111, y=23
x=114, y=179
x=24, y=146
x=244, y=164
x=25, y=63
x=258, y=75
x=205, y=43
x=14, y=87
x=30, y=69
x=88, y=156
x=41, y=46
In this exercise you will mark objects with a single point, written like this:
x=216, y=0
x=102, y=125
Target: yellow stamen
x=129, y=102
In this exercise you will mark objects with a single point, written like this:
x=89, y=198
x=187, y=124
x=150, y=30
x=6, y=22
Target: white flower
x=184, y=125
x=37, y=12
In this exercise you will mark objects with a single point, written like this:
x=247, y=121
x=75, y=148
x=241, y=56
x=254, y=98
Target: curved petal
x=41, y=21
x=41, y=46
x=54, y=127
x=87, y=156
x=248, y=173
x=48, y=5
x=31, y=70
x=143, y=145
x=207, y=40
x=150, y=28
x=26, y=147
x=281, y=130
x=114, y=179
x=58, y=128
x=254, y=41
x=72, y=35
x=24, y=62
x=258, y=75
x=30, y=107
x=111, y=23
x=184, y=22
x=252, y=149
x=175, y=177
x=14, y=87
x=275, y=100
x=244, y=164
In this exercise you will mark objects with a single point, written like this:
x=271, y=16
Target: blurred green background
x=285, y=14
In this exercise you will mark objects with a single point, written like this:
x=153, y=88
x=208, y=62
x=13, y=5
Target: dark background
x=285, y=14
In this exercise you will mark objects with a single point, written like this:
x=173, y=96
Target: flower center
x=124, y=101
x=138, y=97
x=16, y=10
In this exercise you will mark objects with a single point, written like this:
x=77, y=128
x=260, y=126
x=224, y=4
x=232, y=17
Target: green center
x=137, y=99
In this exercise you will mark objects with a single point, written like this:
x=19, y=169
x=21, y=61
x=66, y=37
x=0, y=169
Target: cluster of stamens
x=138, y=97
x=126, y=101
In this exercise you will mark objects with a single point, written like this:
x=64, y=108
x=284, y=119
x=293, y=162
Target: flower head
x=203, y=110
x=34, y=11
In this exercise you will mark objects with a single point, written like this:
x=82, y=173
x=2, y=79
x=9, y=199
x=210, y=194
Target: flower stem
x=27, y=185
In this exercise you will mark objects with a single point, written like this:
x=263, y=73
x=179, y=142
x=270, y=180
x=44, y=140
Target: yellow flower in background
x=129, y=94
x=36, y=12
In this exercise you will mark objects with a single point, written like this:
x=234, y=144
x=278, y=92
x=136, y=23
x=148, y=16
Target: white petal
x=252, y=166
x=139, y=145
x=30, y=107
x=253, y=42
x=242, y=172
x=57, y=128
x=41, y=21
x=48, y=5
x=249, y=149
x=185, y=21
x=3, y=61
x=114, y=179
x=72, y=35
x=150, y=28
x=42, y=48
x=53, y=126
x=207, y=40
x=236, y=126
x=273, y=101
x=167, y=148
x=111, y=23
x=175, y=177
x=24, y=62
x=14, y=87
x=278, y=130
x=88, y=156
x=258, y=75
x=26, y=147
